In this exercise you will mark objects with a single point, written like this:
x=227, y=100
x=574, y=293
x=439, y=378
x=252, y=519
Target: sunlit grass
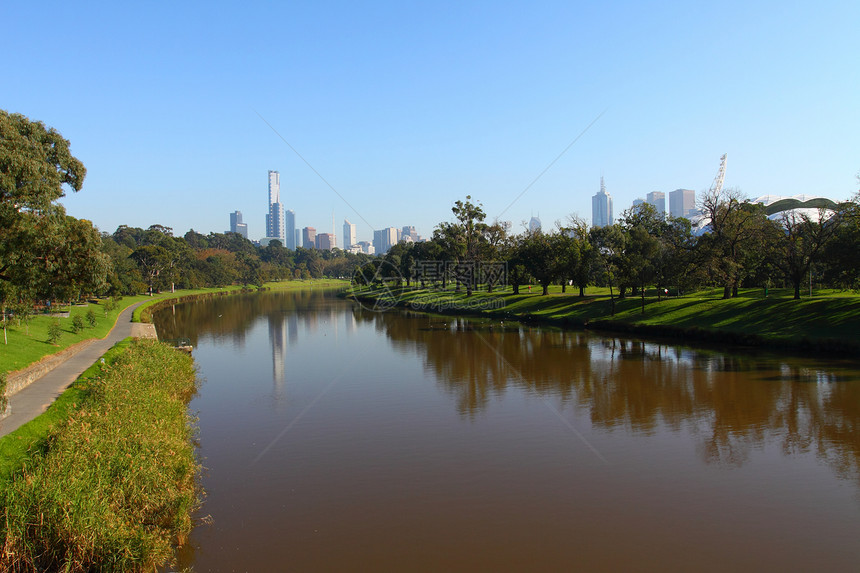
x=112, y=487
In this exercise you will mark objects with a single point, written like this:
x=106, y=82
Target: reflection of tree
x=735, y=403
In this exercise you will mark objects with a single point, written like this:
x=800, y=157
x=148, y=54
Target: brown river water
x=340, y=439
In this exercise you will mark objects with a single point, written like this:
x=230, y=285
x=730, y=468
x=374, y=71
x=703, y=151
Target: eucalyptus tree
x=736, y=228
x=801, y=241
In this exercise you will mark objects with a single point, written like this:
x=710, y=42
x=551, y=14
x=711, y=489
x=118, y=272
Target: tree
x=36, y=166
x=735, y=225
x=541, y=256
x=802, y=239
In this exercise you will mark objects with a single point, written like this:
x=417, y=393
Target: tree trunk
x=582, y=292
x=643, y=300
x=563, y=287
x=545, y=289
x=727, y=292
x=796, y=290
x=516, y=289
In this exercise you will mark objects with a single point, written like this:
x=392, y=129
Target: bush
x=91, y=318
x=54, y=332
x=77, y=324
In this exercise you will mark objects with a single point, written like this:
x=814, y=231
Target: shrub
x=54, y=332
x=91, y=318
x=77, y=324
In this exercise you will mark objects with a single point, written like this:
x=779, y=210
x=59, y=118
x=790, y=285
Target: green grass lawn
x=25, y=345
x=777, y=316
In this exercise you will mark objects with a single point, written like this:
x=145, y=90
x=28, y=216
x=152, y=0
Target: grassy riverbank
x=828, y=322
x=113, y=485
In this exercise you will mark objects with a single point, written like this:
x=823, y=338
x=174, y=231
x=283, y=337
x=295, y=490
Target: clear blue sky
x=405, y=107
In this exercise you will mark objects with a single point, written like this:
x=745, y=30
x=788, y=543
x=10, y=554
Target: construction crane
x=718, y=180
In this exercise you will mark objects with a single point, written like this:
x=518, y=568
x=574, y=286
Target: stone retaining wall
x=20, y=379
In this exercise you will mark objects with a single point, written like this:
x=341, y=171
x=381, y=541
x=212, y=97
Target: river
x=339, y=439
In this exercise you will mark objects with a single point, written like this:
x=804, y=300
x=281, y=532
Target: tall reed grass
x=116, y=484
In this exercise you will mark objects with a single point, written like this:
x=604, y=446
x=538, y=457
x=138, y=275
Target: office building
x=366, y=247
x=236, y=224
x=409, y=234
x=348, y=234
x=384, y=239
x=601, y=207
x=275, y=216
x=297, y=240
x=326, y=241
x=658, y=200
x=682, y=203
x=290, y=229
x=534, y=224
x=309, y=237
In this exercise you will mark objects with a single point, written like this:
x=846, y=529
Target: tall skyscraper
x=309, y=237
x=534, y=224
x=275, y=217
x=348, y=234
x=290, y=229
x=658, y=200
x=682, y=203
x=601, y=207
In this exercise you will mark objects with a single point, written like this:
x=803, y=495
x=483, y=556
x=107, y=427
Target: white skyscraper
x=601, y=207
x=348, y=234
x=275, y=224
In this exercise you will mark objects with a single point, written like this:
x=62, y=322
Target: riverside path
x=31, y=401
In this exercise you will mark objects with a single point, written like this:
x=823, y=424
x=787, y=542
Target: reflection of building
x=309, y=237
x=278, y=339
x=348, y=234
x=601, y=207
x=658, y=200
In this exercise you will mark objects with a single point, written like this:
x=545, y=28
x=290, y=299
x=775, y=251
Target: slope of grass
x=777, y=318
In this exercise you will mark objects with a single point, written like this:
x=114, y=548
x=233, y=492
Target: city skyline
x=388, y=114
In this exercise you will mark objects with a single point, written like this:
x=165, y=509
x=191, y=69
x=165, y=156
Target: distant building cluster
x=682, y=203
x=281, y=226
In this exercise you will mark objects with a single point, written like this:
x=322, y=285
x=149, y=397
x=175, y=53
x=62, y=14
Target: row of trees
x=48, y=255
x=741, y=247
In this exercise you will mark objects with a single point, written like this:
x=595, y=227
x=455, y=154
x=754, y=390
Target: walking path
x=35, y=398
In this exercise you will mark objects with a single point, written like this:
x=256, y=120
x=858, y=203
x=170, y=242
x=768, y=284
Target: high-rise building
x=601, y=207
x=682, y=203
x=290, y=229
x=408, y=233
x=309, y=237
x=348, y=234
x=275, y=217
x=326, y=241
x=384, y=239
x=297, y=240
x=236, y=224
x=658, y=200
x=534, y=224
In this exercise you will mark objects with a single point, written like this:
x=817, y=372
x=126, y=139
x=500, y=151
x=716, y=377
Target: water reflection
x=411, y=442
x=732, y=403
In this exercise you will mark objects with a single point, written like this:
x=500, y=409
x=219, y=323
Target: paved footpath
x=35, y=398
